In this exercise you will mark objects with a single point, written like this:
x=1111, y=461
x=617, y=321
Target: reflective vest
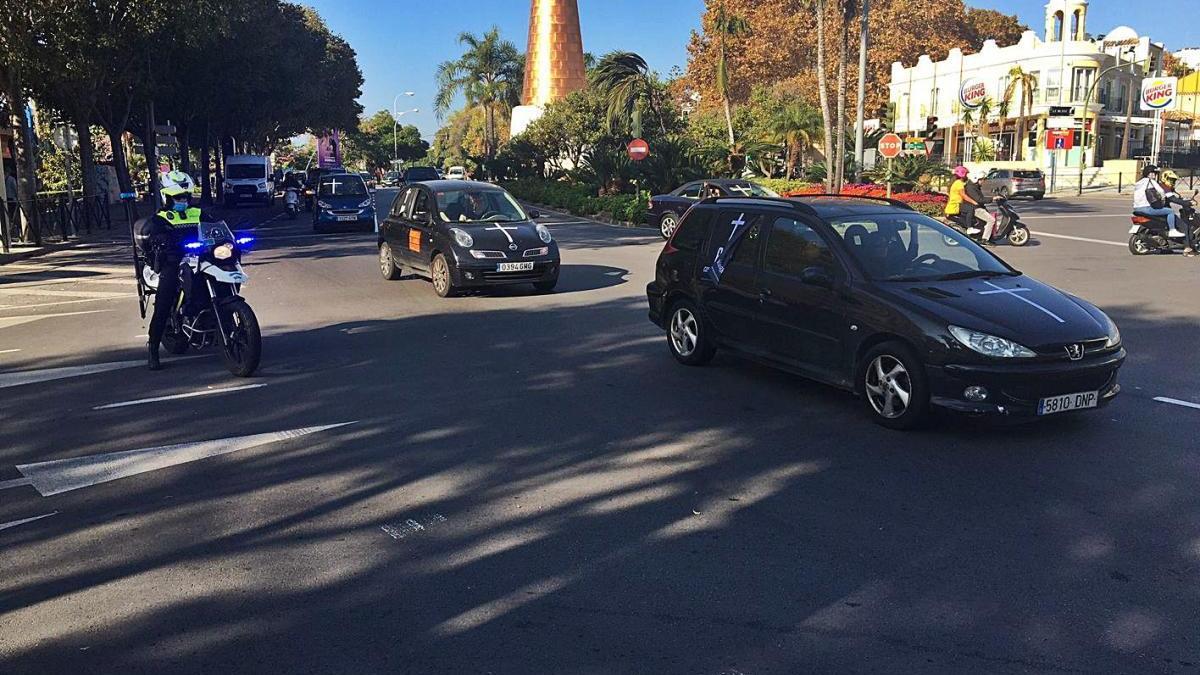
x=175, y=219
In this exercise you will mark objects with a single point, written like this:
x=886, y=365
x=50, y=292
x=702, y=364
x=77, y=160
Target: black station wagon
x=465, y=234
x=873, y=297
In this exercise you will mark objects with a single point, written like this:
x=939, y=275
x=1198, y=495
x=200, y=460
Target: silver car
x=1014, y=183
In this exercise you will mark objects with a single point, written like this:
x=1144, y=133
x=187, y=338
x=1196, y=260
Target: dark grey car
x=1015, y=183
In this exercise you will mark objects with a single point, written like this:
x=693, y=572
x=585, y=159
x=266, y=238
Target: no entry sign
x=890, y=146
x=638, y=149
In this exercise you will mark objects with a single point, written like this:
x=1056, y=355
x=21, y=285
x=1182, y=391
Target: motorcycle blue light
x=193, y=245
x=242, y=241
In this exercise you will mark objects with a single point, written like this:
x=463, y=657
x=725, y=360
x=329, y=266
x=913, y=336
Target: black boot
x=152, y=361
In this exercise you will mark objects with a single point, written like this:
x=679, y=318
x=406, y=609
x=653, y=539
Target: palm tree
x=489, y=74
x=625, y=82
x=795, y=125
x=823, y=92
x=1028, y=83
x=732, y=26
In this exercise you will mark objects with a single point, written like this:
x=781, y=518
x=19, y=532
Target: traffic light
x=931, y=124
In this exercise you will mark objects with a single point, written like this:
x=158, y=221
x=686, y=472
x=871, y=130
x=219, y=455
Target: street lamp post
x=395, y=115
x=1087, y=103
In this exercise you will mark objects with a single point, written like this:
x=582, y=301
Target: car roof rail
x=887, y=200
x=782, y=201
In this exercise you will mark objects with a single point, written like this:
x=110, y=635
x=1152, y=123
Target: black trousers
x=165, y=297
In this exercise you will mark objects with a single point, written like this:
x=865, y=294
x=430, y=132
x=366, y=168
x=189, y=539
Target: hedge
x=579, y=200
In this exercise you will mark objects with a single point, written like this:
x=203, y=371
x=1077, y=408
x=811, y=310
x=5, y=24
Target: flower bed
x=579, y=200
x=929, y=203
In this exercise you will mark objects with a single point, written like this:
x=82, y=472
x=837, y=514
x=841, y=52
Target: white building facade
x=1100, y=76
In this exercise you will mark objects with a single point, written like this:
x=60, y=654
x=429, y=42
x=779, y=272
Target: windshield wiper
x=972, y=274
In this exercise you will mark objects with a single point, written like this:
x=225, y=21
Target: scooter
x=211, y=311
x=1148, y=234
x=1008, y=224
x=291, y=199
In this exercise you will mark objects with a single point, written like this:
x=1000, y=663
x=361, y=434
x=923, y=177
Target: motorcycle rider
x=1168, y=179
x=174, y=178
x=955, y=209
x=974, y=193
x=1149, y=199
x=163, y=235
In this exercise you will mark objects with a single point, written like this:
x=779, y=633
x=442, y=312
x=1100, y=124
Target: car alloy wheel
x=667, y=224
x=685, y=332
x=889, y=386
x=440, y=275
x=387, y=264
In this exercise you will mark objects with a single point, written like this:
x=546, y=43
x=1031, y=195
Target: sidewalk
x=118, y=232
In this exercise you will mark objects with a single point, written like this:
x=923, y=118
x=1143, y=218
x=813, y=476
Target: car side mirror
x=816, y=276
x=534, y=214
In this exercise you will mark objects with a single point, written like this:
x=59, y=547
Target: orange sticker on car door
x=414, y=240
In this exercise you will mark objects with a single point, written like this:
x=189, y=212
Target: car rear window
x=694, y=229
x=420, y=173
x=1027, y=174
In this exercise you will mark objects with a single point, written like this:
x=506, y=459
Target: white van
x=248, y=178
x=457, y=173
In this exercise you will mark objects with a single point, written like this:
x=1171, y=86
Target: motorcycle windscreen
x=211, y=233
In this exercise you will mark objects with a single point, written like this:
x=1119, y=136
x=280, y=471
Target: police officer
x=163, y=236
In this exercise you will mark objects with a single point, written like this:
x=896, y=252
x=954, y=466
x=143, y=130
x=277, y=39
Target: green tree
x=372, y=143
x=569, y=127
x=489, y=75
x=1026, y=83
x=625, y=82
x=796, y=125
x=727, y=26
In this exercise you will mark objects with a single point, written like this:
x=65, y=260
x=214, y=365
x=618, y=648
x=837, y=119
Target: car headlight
x=990, y=345
x=365, y=204
x=1114, y=334
x=323, y=205
x=223, y=252
x=462, y=238
x=543, y=233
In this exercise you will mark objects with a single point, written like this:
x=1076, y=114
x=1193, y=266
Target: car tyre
x=545, y=286
x=387, y=263
x=668, y=223
x=442, y=277
x=894, y=386
x=1038, y=196
x=687, y=335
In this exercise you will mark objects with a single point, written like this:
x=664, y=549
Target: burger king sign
x=1159, y=93
x=972, y=92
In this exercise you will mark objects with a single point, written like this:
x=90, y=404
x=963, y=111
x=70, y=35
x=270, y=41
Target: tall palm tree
x=625, y=82
x=727, y=26
x=795, y=125
x=1027, y=83
x=489, y=74
x=823, y=93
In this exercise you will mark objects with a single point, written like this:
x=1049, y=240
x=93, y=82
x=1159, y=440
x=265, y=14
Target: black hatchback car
x=873, y=297
x=666, y=210
x=463, y=234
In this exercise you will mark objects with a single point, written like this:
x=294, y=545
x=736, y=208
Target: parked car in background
x=457, y=173
x=369, y=179
x=343, y=202
x=248, y=178
x=1014, y=183
x=416, y=174
x=391, y=179
x=666, y=210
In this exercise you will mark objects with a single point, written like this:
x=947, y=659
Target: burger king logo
x=1158, y=93
x=972, y=92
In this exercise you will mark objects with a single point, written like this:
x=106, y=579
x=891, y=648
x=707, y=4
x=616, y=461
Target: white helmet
x=173, y=182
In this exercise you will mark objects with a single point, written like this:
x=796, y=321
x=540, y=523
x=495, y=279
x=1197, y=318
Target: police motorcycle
x=210, y=311
x=1148, y=234
x=1008, y=224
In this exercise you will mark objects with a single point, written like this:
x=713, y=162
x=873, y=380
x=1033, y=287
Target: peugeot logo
x=512, y=247
x=1075, y=351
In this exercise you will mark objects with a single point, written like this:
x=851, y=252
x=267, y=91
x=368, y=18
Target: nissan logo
x=512, y=247
x=1075, y=351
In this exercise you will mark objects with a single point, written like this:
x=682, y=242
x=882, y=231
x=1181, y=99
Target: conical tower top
x=554, y=60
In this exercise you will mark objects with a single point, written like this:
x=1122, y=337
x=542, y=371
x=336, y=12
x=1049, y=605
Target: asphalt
x=530, y=483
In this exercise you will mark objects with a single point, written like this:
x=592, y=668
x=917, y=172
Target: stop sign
x=890, y=146
x=638, y=149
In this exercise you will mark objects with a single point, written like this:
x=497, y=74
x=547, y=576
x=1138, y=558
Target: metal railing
x=56, y=216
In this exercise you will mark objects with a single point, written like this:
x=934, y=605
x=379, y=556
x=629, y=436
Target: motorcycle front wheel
x=1019, y=236
x=242, y=341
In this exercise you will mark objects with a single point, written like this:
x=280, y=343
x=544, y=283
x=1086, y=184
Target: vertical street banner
x=329, y=150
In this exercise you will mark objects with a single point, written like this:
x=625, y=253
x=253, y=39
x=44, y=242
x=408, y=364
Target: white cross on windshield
x=1013, y=293
x=741, y=220
x=333, y=186
x=505, y=231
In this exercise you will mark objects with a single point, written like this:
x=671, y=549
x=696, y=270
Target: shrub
x=579, y=199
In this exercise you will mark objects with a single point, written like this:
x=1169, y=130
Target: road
x=517, y=483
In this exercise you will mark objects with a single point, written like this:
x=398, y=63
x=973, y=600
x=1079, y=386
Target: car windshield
x=479, y=205
x=244, y=171
x=913, y=247
x=418, y=173
x=750, y=190
x=342, y=185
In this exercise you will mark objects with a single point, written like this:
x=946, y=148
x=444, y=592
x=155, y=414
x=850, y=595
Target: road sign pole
x=889, y=180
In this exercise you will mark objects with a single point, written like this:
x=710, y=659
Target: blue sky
x=400, y=44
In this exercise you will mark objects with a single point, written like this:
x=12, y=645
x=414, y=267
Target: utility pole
x=862, y=94
x=4, y=217
x=151, y=149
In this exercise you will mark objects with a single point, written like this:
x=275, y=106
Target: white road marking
x=55, y=293
x=63, y=475
x=15, y=482
x=21, y=377
x=61, y=302
x=1175, y=401
x=1087, y=215
x=9, y=351
x=1040, y=233
x=5, y=526
x=191, y=394
x=9, y=321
